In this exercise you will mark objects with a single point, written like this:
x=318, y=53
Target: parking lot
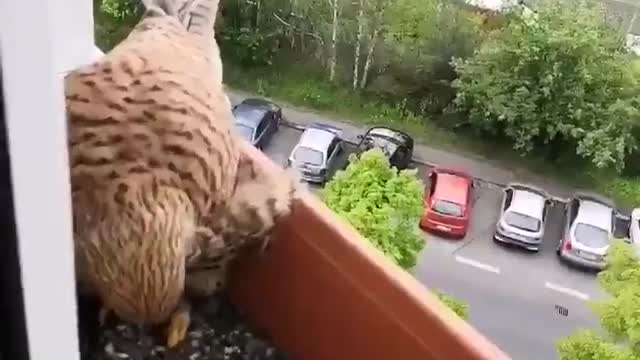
x=513, y=295
x=478, y=244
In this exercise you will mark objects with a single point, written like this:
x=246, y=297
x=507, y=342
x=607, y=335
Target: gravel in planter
x=217, y=332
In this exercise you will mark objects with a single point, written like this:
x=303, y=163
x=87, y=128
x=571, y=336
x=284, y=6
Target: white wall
x=39, y=39
x=74, y=32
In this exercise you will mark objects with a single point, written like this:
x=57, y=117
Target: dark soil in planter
x=217, y=332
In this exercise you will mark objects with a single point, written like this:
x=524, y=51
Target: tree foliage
x=619, y=314
x=558, y=80
x=420, y=38
x=384, y=205
x=122, y=9
x=113, y=20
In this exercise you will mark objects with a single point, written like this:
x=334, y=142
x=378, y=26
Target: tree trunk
x=334, y=39
x=292, y=33
x=632, y=22
x=356, y=58
x=369, y=60
x=258, y=10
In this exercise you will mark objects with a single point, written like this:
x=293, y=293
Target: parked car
x=316, y=153
x=257, y=120
x=396, y=145
x=589, y=223
x=523, y=216
x=634, y=229
x=634, y=226
x=447, y=202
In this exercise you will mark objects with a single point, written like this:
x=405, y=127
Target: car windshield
x=522, y=221
x=307, y=155
x=591, y=236
x=387, y=133
x=387, y=145
x=246, y=132
x=447, y=208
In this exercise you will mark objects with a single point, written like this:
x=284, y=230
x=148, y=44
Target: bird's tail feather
x=197, y=16
x=160, y=8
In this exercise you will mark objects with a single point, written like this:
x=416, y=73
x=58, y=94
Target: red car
x=447, y=202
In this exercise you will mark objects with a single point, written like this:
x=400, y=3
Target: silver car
x=316, y=152
x=589, y=224
x=523, y=215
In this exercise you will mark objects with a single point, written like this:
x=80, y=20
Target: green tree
x=385, y=206
x=113, y=20
x=619, y=314
x=421, y=37
x=554, y=81
x=382, y=204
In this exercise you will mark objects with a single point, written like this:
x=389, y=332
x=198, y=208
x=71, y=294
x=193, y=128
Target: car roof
x=445, y=170
x=248, y=114
x=452, y=187
x=528, y=187
x=586, y=195
x=527, y=203
x=394, y=134
x=595, y=213
x=388, y=146
x=263, y=103
x=315, y=138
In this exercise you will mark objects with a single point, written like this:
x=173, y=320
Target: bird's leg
x=179, y=324
x=102, y=315
x=264, y=243
x=208, y=281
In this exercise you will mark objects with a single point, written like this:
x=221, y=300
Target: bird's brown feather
x=162, y=195
x=151, y=144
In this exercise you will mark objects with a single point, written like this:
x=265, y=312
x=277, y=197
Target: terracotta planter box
x=324, y=293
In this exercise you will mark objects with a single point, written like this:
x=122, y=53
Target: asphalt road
x=513, y=295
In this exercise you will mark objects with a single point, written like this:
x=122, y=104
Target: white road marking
x=477, y=264
x=566, y=291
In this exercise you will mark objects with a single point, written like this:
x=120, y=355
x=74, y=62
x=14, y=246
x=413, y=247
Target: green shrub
x=384, y=205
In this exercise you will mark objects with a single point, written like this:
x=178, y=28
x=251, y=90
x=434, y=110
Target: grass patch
x=459, y=307
x=307, y=89
x=304, y=88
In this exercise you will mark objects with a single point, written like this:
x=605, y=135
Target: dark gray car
x=257, y=120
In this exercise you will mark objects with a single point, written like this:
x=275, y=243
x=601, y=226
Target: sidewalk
x=483, y=169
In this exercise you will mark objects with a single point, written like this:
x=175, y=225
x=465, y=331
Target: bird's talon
x=102, y=316
x=178, y=328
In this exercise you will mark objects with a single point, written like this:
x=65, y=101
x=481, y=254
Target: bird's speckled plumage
x=162, y=195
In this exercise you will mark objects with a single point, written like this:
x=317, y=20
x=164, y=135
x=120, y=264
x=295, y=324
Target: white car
x=315, y=155
x=634, y=226
x=634, y=230
x=523, y=215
